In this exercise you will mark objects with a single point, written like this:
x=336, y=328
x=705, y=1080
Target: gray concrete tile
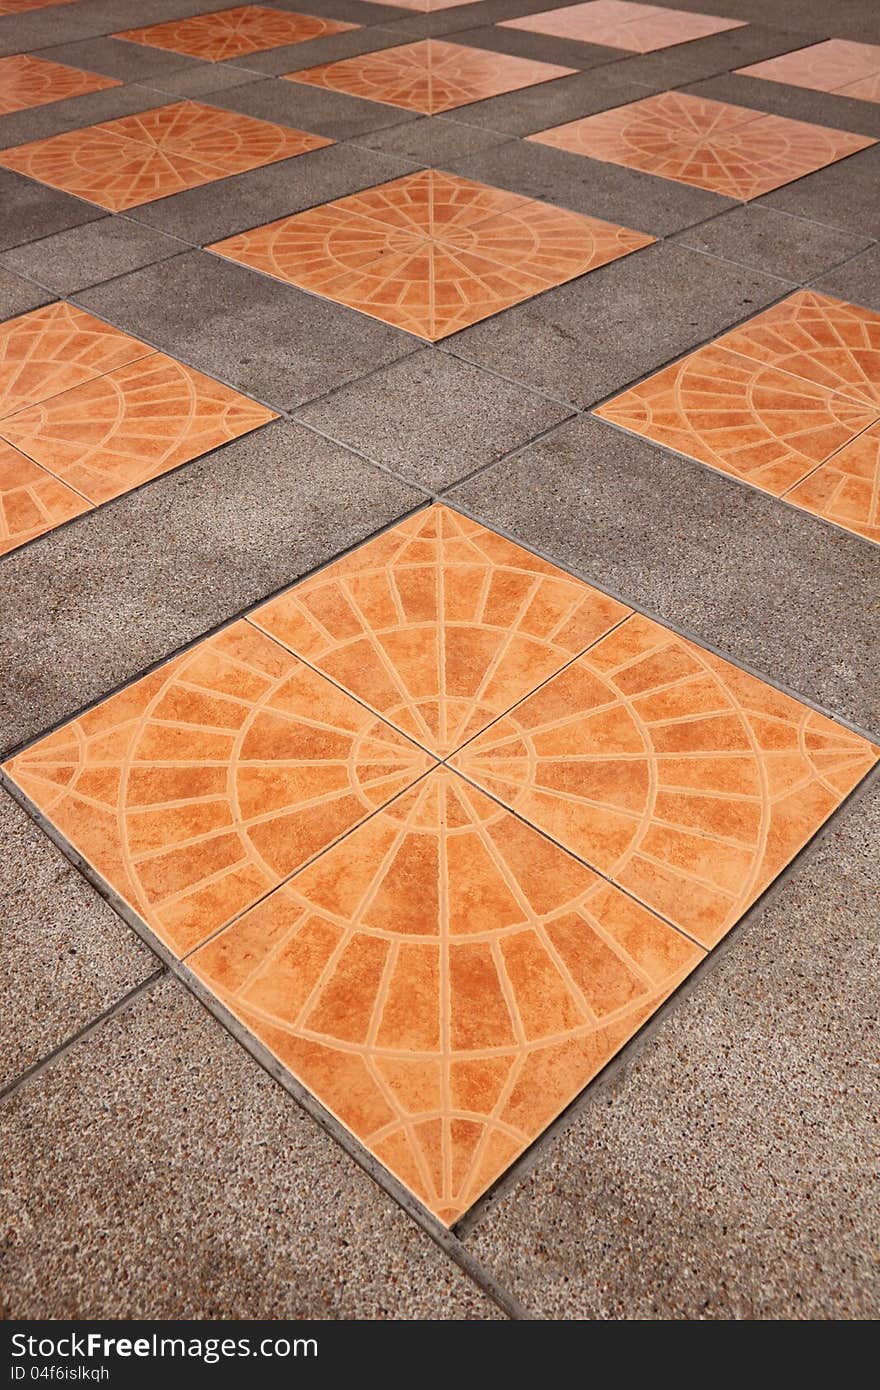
x=42, y=122
x=459, y=19
x=66, y=955
x=432, y=418
x=432, y=140
x=273, y=62
x=593, y=336
x=690, y=62
x=259, y=335
x=315, y=109
x=773, y=587
x=858, y=280
x=200, y=80
x=92, y=604
x=17, y=296
x=843, y=195
x=352, y=11
x=540, y=48
x=797, y=103
x=217, y=210
x=637, y=200
x=37, y=30
x=773, y=242
x=130, y=62
x=155, y=1171
x=728, y=1172
x=852, y=19
x=552, y=103
x=87, y=255
x=32, y=210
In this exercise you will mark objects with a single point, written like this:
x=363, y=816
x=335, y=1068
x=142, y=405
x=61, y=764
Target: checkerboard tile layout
x=234, y=33
x=789, y=402
x=638, y=28
x=709, y=144
x=27, y=82
x=429, y=76
x=87, y=413
x=849, y=69
x=443, y=954
x=431, y=253
x=136, y=159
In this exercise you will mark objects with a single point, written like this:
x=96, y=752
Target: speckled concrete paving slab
x=242, y=1207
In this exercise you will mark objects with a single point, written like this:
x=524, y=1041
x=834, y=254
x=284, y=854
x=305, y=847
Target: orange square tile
x=23, y=6
x=637, y=28
x=819, y=339
x=233, y=33
x=445, y=980
x=137, y=159
x=26, y=81
x=205, y=784
x=740, y=416
x=725, y=149
x=686, y=781
x=837, y=65
x=429, y=76
x=439, y=625
x=430, y=253
x=31, y=500
x=50, y=350
x=115, y=432
x=846, y=489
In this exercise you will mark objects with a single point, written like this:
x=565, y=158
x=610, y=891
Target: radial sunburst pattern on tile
x=27, y=81
x=619, y=24
x=234, y=33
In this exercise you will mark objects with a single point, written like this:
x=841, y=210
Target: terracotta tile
x=31, y=500
x=430, y=253
x=638, y=28
x=23, y=6
x=846, y=489
x=230, y=142
x=725, y=149
x=445, y=981
x=430, y=6
x=866, y=89
x=686, y=781
x=429, y=76
x=26, y=81
x=134, y=160
x=740, y=416
x=836, y=65
x=203, y=785
x=439, y=625
x=53, y=349
x=232, y=33
x=819, y=339
x=116, y=432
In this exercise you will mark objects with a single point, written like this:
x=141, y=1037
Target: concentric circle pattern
x=687, y=781
x=439, y=625
x=204, y=785
x=31, y=500
x=26, y=82
x=50, y=350
x=445, y=981
x=726, y=149
x=431, y=252
x=837, y=65
x=235, y=32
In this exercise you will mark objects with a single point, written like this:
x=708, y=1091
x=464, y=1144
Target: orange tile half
x=837, y=65
x=740, y=416
x=234, y=33
x=26, y=81
x=32, y=501
x=431, y=253
x=23, y=6
x=205, y=784
x=439, y=625
x=429, y=76
x=688, y=782
x=725, y=149
x=634, y=27
x=846, y=489
x=136, y=159
x=445, y=981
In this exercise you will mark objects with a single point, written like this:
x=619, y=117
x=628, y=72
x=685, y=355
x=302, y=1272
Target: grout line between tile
x=616, y=1067
x=64, y=1047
